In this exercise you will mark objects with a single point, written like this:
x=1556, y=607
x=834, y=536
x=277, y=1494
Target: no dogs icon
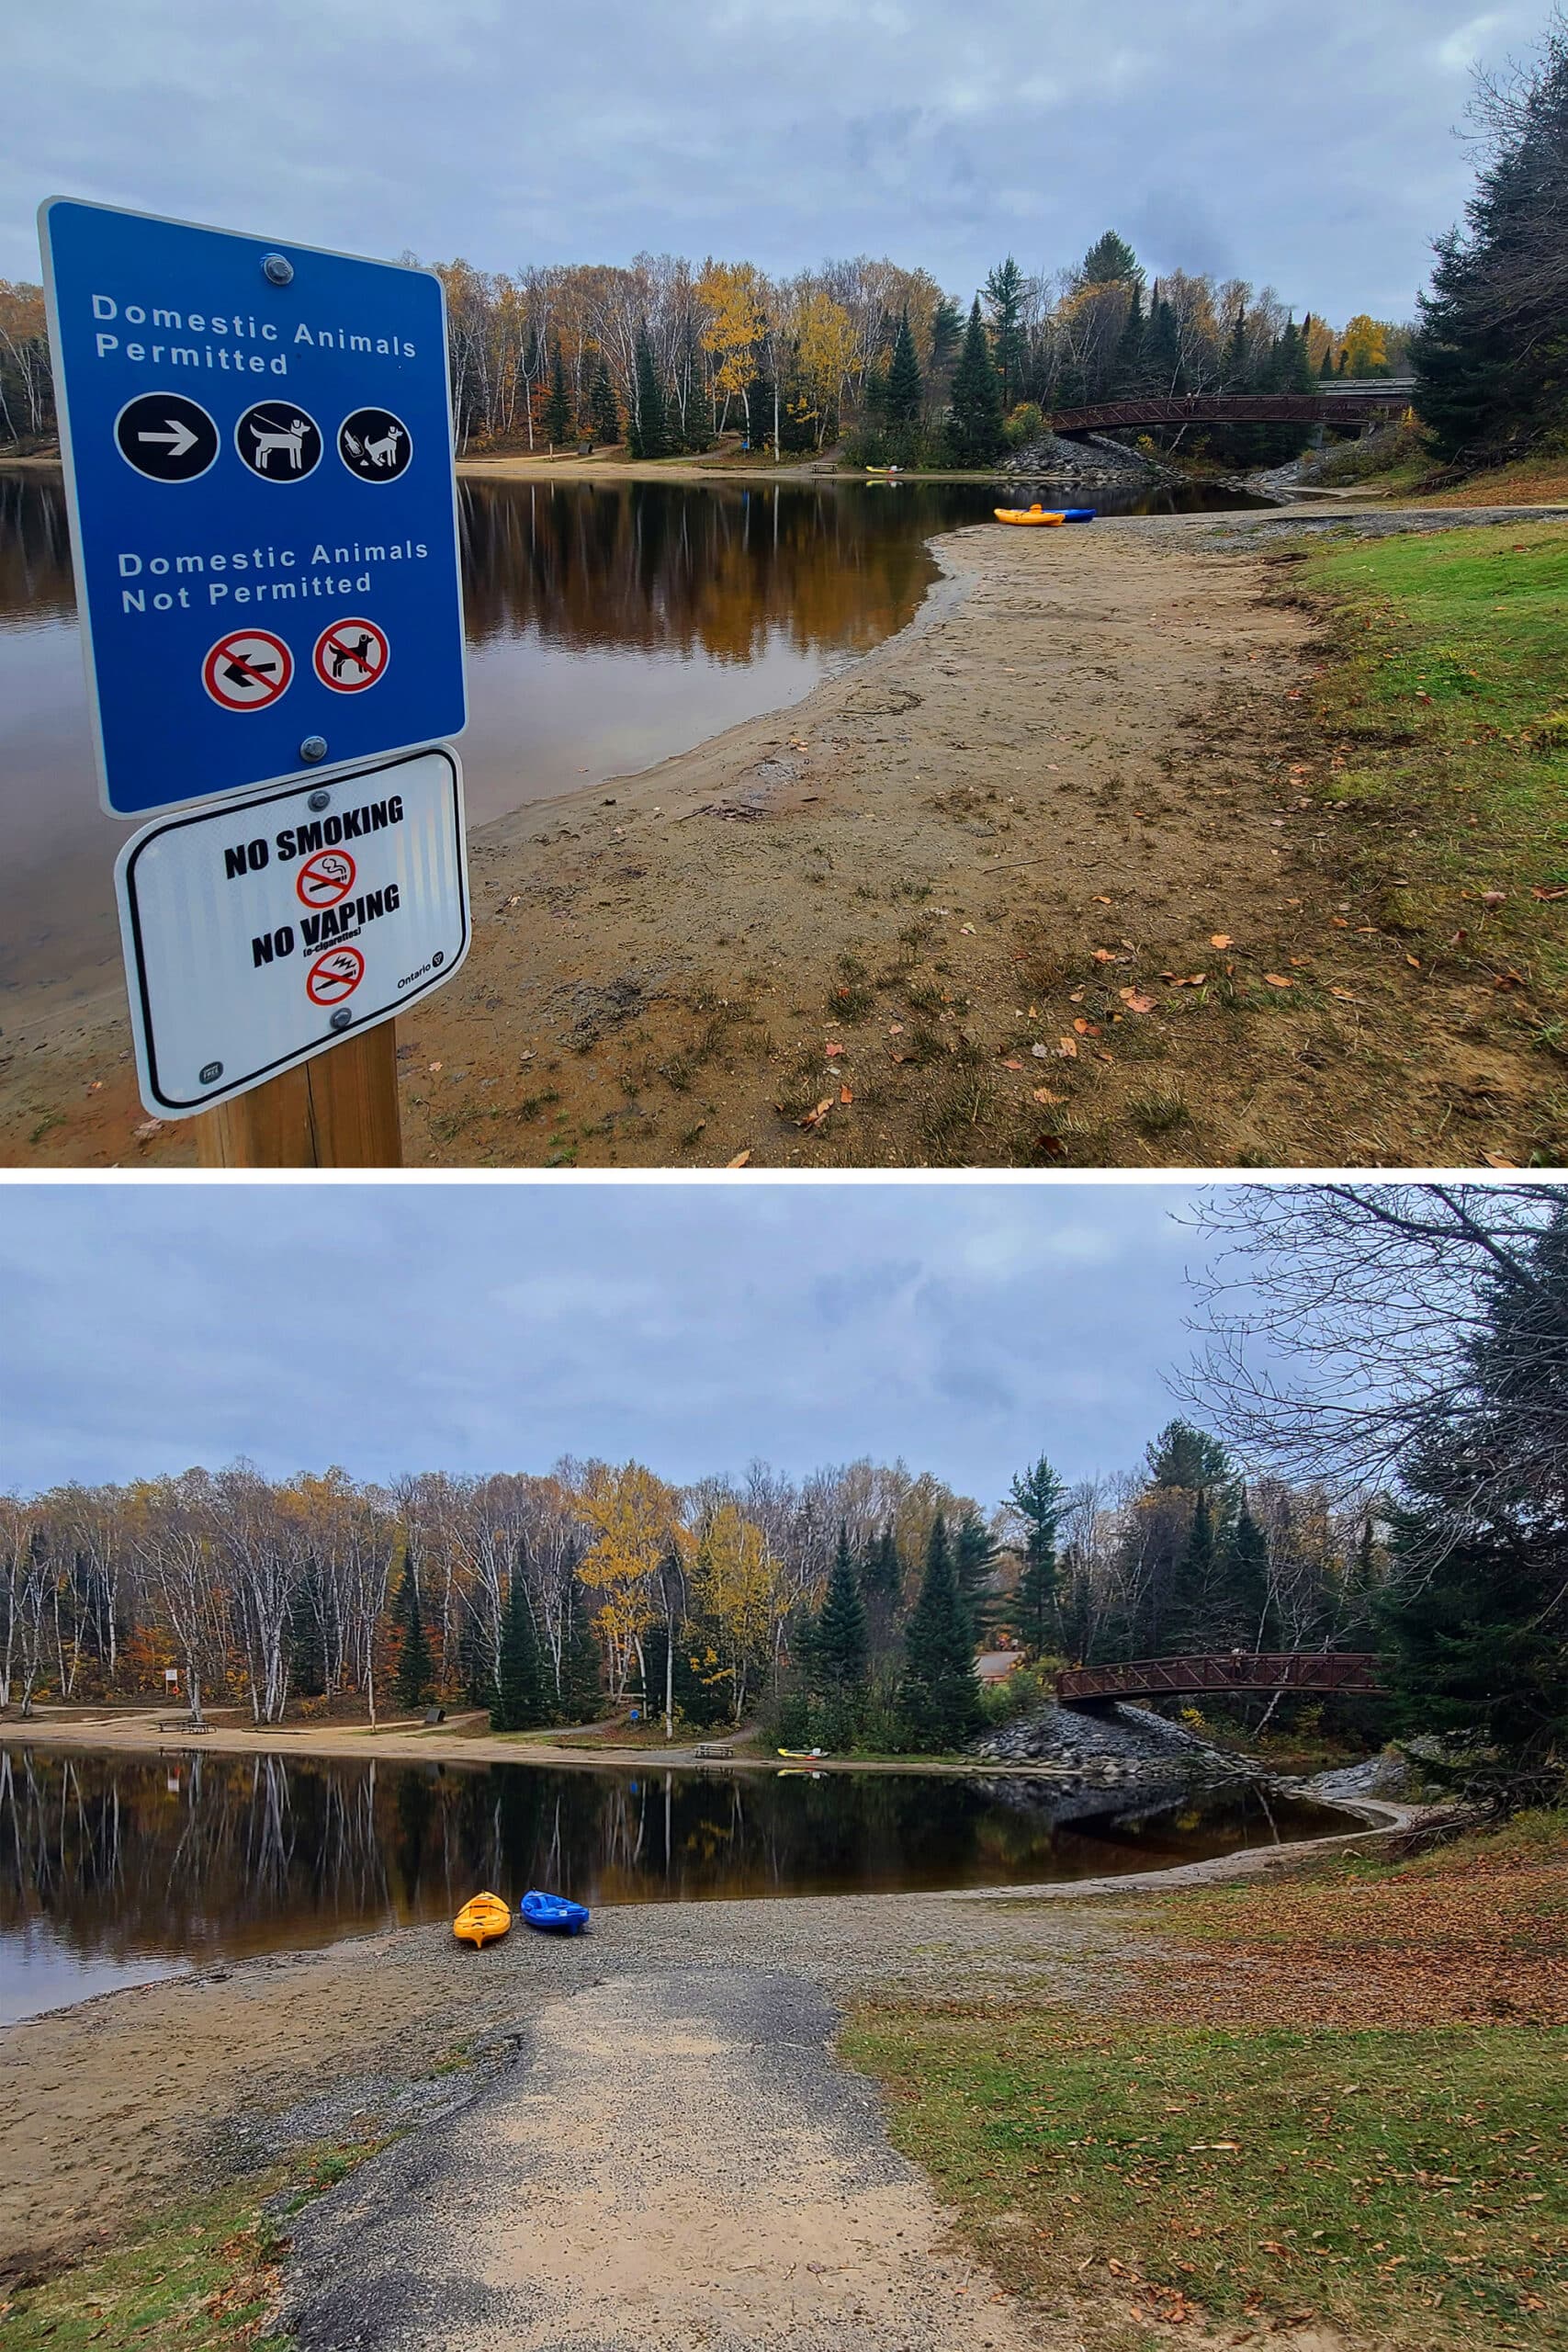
x=351, y=655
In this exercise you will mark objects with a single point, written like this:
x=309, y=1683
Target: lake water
x=608, y=625
x=114, y=1869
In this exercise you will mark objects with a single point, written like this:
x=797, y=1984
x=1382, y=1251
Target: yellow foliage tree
x=733, y=296
x=1366, y=344
x=825, y=351
x=744, y=1588
x=636, y=1522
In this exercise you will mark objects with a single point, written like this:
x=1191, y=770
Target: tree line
x=666, y=354
x=849, y=1606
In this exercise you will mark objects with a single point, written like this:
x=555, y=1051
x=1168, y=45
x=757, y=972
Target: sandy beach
x=951, y=909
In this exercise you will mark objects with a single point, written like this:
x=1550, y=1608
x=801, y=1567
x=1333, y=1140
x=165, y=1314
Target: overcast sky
x=392, y=1328
x=1302, y=142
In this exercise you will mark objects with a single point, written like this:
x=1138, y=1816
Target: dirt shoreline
x=836, y=935
x=137, y=2095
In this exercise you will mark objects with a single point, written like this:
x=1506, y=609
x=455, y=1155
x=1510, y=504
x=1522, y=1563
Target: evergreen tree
x=414, y=1683
x=901, y=401
x=1248, y=1589
x=557, y=419
x=1162, y=350
x=696, y=429
x=947, y=334
x=974, y=417
x=1110, y=258
x=1238, y=356
x=1126, y=372
x=1038, y=1497
x=582, y=1692
x=1194, y=1598
x=939, y=1699
x=477, y=1667
x=1184, y=1456
x=839, y=1636
x=521, y=1699
x=649, y=432
x=306, y=1656
x=1326, y=365
x=883, y=1571
x=605, y=415
x=974, y=1557
x=1005, y=290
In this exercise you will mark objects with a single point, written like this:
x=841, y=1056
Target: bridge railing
x=1233, y=408
x=1315, y=1671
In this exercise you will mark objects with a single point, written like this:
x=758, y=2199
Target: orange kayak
x=1026, y=515
x=484, y=1921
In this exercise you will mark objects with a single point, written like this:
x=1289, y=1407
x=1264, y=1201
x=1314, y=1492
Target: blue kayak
x=554, y=1914
x=1078, y=514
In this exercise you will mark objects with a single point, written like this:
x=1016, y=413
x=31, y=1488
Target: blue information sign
x=258, y=458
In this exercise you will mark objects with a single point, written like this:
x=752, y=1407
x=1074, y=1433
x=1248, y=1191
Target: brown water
x=114, y=1869
x=608, y=626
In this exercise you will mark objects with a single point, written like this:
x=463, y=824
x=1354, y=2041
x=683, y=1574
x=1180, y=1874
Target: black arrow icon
x=238, y=672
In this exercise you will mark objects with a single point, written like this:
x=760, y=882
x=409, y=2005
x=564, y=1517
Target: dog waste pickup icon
x=257, y=446
x=263, y=930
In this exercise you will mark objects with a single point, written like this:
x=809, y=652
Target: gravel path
x=676, y=2162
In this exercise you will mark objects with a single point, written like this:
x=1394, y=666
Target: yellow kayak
x=484, y=1921
x=1025, y=515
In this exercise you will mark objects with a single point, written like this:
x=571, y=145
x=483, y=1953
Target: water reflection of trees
x=718, y=570
x=36, y=578
x=199, y=1852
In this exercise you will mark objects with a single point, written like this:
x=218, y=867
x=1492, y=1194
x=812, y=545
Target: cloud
x=473, y=1327
x=1308, y=149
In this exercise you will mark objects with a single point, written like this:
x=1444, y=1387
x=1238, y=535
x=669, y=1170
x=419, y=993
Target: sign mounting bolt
x=341, y=1019
x=278, y=269
x=313, y=748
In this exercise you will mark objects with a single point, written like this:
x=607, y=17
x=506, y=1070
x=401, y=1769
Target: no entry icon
x=325, y=878
x=247, y=669
x=334, y=976
x=351, y=655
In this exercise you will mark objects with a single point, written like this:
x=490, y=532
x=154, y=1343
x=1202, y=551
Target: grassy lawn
x=198, y=2277
x=1444, y=726
x=1236, y=2146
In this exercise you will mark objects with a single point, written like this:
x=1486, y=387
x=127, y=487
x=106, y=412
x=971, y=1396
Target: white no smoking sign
x=263, y=930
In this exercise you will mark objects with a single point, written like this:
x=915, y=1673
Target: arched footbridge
x=1336, y=408
x=1348, y=1672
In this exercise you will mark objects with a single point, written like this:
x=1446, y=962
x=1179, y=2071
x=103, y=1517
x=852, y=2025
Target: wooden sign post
x=338, y=1111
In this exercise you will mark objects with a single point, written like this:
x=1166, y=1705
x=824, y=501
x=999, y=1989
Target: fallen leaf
x=434, y=1068
x=813, y=1118
x=1340, y=922
x=1277, y=980
x=1414, y=960
x=1100, y=901
x=1012, y=1065
x=1041, y=1053
x=1220, y=938
x=1086, y=1028
x=1075, y=996
x=1051, y=1146
x=1493, y=897
x=1508, y=980
x=1106, y=956
x=1345, y=996
x=1553, y=890
x=831, y=1050
x=1194, y=980
x=1043, y=1094
x=1134, y=1002
x=147, y=1130
x=1496, y=1160
x=895, y=1028
x=844, y=1094
x=1067, y=1051
x=1102, y=1056
x=739, y=1159
x=968, y=927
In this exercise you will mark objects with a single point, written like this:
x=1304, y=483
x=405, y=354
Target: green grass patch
x=1441, y=712
x=198, y=2277
x=1406, y=2187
